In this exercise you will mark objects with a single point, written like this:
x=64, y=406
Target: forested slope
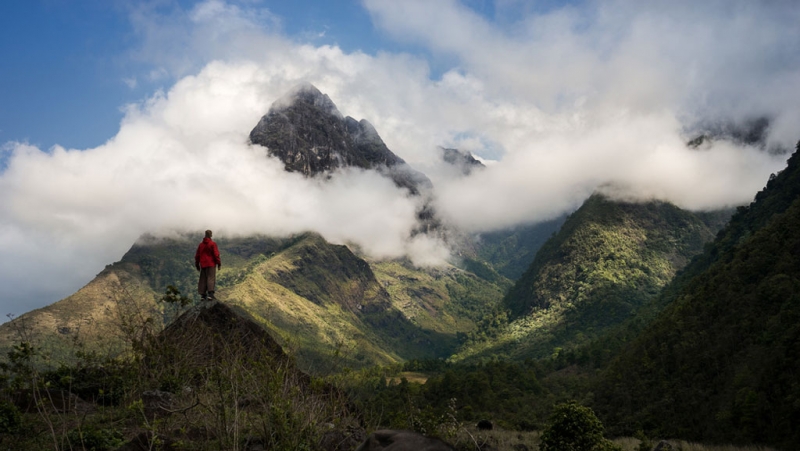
x=511, y=251
x=608, y=259
x=722, y=362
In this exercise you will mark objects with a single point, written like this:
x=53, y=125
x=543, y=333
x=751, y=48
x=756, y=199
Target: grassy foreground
x=215, y=379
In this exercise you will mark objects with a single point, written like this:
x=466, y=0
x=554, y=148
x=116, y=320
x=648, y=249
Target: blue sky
x=65, y=61
x=119, y=118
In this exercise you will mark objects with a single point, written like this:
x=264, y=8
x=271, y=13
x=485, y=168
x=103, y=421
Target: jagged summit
x=307, y=94
x=461, y=159
x=309, y=134
x=752, y=131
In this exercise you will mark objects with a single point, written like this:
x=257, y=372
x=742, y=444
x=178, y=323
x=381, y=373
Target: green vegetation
x=573, y=427
x=507, y=393
x=629, y=308
x=447, y=300
x=10, y=419
x=510, y=252
x=213, y=379
x=622, y=252
x=720, y=362
x=170, y=261
x=320, y=300
x=607, y=261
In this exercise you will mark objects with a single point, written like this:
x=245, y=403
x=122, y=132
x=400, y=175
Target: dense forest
x=721, y=362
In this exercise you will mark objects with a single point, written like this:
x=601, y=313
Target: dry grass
x=628, y=443
x=632, y=444
x=470, y=438
x=687, y=446
x=411, y=376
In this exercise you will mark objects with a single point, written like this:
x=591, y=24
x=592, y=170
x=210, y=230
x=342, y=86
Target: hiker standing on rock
x=207, y=261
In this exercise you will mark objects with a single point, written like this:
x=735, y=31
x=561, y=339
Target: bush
x=10, y=418
x=91, y=438
x=574, y=428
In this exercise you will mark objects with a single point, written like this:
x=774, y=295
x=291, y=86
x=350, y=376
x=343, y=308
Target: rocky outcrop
x=215, y=333
x=309, y=135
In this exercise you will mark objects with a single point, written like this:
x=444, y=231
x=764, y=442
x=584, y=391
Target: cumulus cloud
x=182, y=161
x=558, y=104
x=606, y=94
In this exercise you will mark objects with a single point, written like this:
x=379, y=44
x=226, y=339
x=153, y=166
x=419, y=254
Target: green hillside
x=510, y=252
x=721, y=362
x=607, y=260
x=325, y=304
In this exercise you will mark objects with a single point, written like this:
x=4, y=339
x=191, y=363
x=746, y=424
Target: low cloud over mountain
x=556, y=103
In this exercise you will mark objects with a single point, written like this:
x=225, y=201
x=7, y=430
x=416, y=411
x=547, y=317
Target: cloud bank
x=560, y=103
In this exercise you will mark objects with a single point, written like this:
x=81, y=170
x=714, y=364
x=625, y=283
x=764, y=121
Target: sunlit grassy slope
x=324, y=303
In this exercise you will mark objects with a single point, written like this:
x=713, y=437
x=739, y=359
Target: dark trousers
x=208, y=278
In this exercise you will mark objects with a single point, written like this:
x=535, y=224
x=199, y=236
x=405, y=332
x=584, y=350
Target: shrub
x=10, y=418
x=574, y=428
x=91, y=438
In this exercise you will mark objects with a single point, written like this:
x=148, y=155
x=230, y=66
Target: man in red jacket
x=207, y=261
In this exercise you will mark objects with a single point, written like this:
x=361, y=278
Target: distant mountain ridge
x=511, y=251
x=330, y=306
x=463, y=160
x=606, y=239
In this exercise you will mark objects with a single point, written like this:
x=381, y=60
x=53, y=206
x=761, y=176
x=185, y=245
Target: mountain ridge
x=317, y=298
x=607, y=260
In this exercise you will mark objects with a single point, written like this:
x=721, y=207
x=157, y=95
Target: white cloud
x=563, y=102
x=130, y=82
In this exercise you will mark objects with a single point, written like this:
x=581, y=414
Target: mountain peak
x=306, y=131
x=462, y=160
x=309, y=96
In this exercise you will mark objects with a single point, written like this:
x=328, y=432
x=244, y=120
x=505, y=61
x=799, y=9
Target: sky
x=122, y=118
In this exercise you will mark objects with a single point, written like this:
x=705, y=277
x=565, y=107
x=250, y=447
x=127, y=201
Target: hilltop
x=317, y=298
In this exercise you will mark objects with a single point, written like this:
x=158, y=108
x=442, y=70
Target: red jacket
x=207, y=254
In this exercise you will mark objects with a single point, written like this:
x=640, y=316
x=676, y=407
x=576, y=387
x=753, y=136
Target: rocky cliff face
x=309, y=134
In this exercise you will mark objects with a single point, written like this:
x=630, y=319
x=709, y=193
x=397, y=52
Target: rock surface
x=309, y=135
x=463, y=160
